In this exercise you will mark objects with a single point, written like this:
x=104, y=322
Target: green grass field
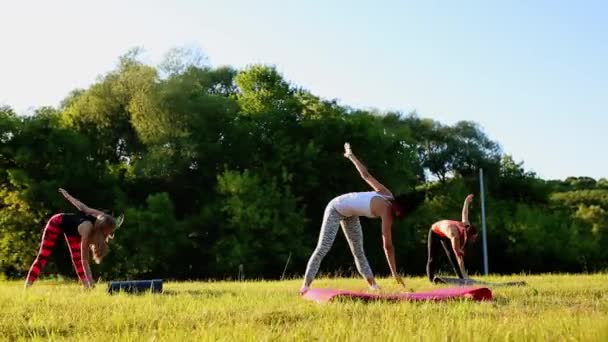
x=550, y=308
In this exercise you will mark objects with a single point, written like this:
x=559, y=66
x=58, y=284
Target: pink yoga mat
x=476, y=293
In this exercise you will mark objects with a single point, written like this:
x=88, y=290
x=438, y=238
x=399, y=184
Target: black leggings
x=433, y=245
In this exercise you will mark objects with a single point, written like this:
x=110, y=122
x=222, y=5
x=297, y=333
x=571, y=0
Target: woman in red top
x=453, y=236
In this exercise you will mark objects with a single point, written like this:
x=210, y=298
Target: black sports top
x=70, y=222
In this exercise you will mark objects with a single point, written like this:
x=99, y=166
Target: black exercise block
x=136, y=286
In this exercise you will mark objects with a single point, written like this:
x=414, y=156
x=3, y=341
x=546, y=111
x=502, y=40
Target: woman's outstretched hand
x=347, y=151
x=400, y=281
x=63, y=192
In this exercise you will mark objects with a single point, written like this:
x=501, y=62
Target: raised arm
x=465, y=208
x=367, y=177
x=79, y=205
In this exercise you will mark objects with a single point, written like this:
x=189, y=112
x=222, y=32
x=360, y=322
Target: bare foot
x=374, y=287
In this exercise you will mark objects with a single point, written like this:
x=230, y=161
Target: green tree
x=264, y=223
x=149, y=243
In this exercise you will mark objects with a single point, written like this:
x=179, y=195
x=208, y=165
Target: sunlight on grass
x=551, y=307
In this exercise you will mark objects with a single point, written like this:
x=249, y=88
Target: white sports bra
x=356, y=203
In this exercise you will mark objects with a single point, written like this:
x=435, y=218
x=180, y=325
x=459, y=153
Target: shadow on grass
x=193, y=293
x=200, y=293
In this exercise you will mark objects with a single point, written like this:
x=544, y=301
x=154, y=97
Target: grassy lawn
x=550, y=308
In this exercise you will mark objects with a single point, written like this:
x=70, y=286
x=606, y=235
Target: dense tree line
x=217, y=167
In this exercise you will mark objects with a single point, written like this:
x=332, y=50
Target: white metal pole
x=483, y=223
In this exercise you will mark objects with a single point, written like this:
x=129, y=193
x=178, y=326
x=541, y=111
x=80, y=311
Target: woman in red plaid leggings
x=88, y=229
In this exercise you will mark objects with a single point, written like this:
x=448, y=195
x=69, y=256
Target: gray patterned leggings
x=354, y=235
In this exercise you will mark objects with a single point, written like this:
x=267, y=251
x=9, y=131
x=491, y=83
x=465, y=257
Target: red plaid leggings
x=49, y=237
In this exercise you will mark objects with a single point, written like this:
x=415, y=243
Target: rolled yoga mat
x=136, y=286
x=475, y=293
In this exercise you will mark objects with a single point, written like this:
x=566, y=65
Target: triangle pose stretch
x=88, y=229
x=453, y=236
x=345, y=210
x=91, y=229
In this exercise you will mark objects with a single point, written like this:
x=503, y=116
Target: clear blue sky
x=533, y=74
